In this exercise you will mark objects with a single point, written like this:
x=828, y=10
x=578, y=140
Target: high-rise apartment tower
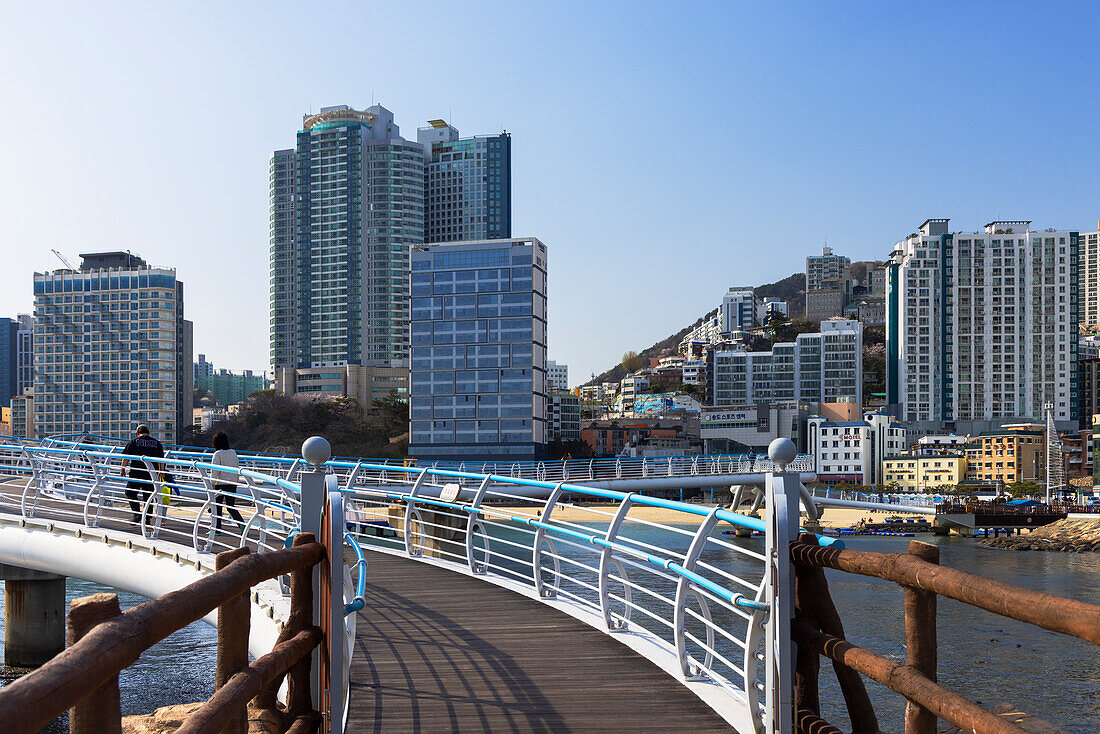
x=1089, y=276
x=981, y=328
x=347, y=203
x=112, y=349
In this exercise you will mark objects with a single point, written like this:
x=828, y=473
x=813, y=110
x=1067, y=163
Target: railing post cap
x=782, y=451
x=316, y=451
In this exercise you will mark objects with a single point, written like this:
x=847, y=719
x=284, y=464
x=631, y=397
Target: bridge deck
x=437, y=651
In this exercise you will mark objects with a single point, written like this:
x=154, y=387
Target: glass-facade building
x=467, y=183
x=9, y=329
x=478, y=382
x=111, y=349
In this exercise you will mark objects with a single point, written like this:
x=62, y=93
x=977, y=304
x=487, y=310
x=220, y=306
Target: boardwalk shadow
x=417, y=669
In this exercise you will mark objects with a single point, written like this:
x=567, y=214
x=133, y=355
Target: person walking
x=139, y=483
x=225, y=481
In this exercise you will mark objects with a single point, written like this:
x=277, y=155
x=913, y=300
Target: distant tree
x=574, y=449
x=1021, y=489
x=631, y=362
x=270, y=421
x=776, y=321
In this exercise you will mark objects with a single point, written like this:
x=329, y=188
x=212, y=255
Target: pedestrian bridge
x=490, y=597
x=543, y=598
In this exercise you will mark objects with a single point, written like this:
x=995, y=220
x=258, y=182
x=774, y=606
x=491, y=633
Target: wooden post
x=807, y=662
x=100, y=711
x=860, y=711
x=299, y=704
x=299, y=699
x=920, y=639
x=233, y=630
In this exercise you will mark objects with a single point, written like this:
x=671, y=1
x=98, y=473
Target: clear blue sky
x=663, y=151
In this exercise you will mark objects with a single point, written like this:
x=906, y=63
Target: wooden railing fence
x=817, y=630
x=103, y=641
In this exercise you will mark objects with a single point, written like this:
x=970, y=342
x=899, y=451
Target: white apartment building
x=695, y=372
x=1089, y=278
x=822, y=367
x=852, y=451
x=707, y=332
x=982, y=327
x=1088, y=347
x=111, y=349
x=557, y=376
x=629, y=387
x=563, y=417
x=823, y=270
x=738, y=309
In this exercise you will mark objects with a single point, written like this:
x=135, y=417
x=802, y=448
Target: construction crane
x=62, y=258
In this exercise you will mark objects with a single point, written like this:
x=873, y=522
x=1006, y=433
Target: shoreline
x=831, y=517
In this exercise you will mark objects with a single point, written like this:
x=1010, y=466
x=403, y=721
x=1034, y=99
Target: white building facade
x=738, y=310
x=112, y=349
x=852, y=451
x=557, y=376
x=1089, y=278
x=981, y=327
x=822, y=367
x=564, y=417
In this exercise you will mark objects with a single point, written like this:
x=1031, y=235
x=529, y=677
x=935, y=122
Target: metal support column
x=781, y=491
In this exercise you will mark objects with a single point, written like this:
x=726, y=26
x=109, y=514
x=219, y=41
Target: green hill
x=791, y=289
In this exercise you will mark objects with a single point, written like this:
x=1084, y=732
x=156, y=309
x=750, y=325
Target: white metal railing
x=206, y=507
x=672, y=580
x=607, y=469
x=901, y=499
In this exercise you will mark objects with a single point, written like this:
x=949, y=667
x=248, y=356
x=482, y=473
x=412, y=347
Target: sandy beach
x=833, y=517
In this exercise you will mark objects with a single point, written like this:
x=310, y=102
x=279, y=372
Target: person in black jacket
x=140, y=483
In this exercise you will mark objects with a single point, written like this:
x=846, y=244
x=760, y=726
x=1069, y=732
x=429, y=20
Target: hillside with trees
x=278, y=423
x=791, y=289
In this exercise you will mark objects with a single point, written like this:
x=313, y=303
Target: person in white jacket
x=225, y=487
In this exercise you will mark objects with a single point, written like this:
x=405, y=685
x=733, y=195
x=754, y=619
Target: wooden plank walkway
x=438, y=651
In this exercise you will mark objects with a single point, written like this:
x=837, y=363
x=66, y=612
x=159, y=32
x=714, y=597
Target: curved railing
x=576, y=470
x=204, y=506
x=672, y=579
x=902, y=499
x=692, y=588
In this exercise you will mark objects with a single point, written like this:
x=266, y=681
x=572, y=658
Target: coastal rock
x=1066, y=536
x=169, y=718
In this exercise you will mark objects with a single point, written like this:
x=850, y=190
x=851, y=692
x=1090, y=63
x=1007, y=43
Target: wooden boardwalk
x=438, y=651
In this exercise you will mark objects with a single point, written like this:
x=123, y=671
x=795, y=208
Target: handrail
x=32, y=701
x=1055, y=613
x=755, y=462
x=359, y=601
x=923, y=579
x=733, y=518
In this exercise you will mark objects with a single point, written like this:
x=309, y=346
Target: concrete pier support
x=34, y=616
